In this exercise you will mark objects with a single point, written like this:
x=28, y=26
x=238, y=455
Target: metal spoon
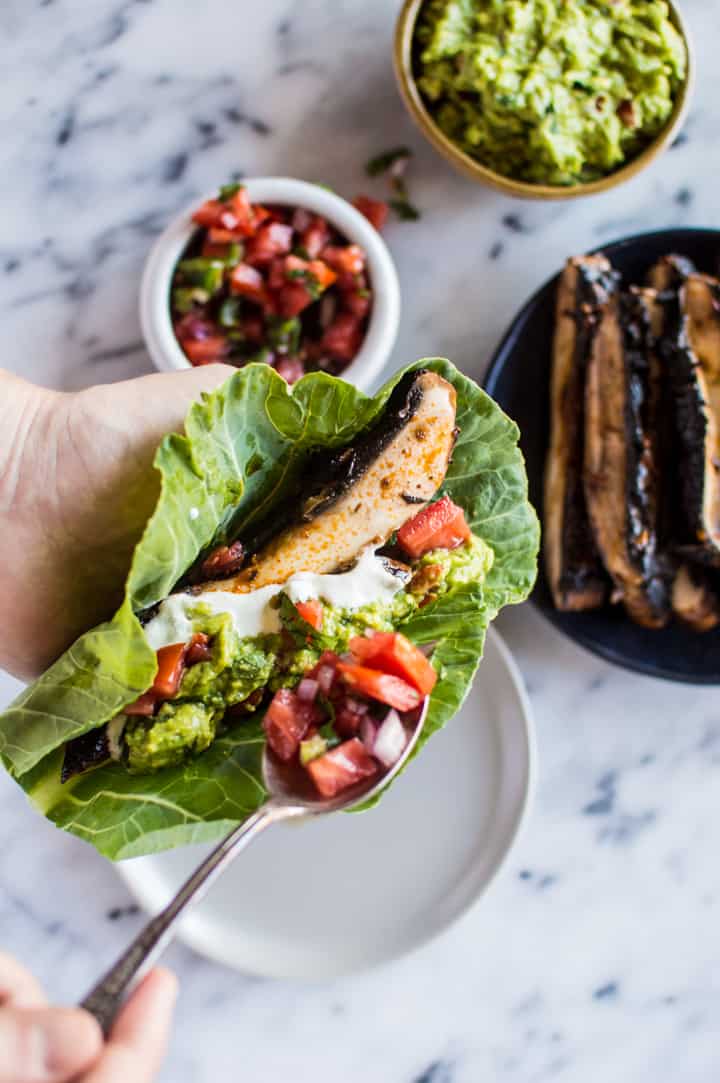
x=291, y=795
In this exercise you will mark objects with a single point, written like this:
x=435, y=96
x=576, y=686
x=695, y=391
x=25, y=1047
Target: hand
x=40, y=1044
x=76, y=488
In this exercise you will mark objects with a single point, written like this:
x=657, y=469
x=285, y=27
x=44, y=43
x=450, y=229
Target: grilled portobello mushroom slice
x=621, y=467
x=691, y=350
x=670, y=273
x=695, y=600
x=574, y=570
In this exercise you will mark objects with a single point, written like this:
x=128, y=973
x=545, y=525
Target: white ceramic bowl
x=379, y=340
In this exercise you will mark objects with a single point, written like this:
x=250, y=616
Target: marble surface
x=595, y=956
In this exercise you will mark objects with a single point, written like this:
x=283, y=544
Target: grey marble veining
x=595, y=956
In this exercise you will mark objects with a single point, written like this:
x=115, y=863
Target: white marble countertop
x=595, y=955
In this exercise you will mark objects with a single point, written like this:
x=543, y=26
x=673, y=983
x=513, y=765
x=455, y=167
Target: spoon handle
x=105, y=999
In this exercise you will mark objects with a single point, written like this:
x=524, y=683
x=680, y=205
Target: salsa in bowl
x=275, y=270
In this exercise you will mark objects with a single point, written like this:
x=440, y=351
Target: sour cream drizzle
x=368, y=582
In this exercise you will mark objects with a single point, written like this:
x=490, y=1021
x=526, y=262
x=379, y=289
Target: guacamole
x=549, y=91
x=241, y=669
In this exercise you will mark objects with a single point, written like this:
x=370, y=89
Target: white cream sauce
x=367, y=582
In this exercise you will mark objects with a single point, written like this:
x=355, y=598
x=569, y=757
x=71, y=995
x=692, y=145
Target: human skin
x=76, y=487
x=43, y=1044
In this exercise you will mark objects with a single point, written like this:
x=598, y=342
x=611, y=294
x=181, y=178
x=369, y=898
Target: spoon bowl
x=290, y=786
x=291, y=795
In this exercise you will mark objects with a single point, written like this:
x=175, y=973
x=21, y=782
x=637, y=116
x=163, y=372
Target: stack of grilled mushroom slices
x=632, y=483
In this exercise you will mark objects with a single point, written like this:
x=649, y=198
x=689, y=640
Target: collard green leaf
x=245, y=447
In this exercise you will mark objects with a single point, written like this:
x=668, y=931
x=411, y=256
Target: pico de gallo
x=335, y=678
x=272, y=283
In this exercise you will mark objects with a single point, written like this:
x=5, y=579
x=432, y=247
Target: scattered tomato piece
x=441, y=525
x=341, y=767
x=375, y=210
x=384, y=687
x=293, y=298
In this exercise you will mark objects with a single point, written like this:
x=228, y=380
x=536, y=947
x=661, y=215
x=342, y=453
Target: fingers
x=46, y=1045
x=18, y=986
x=136, y=1046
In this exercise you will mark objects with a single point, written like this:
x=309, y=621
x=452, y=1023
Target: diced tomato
x=341, y=767
x=264, y=214
x=248, y=282
x=143, y=705
x=214, y=249
x=253, y=327
x=171, y=666
x=384, y=687
x=312, y=611
x=349, y=283
x=215, y=214
x=375, y=210
x=358, y=303
x=324, y=670
x=223, y=560
x=247, y=217
x=276, y=274
x=441, y=525
x=393, y=653
x=272, y=239
x=207, y=350
x=293, y=298
x=198, y=649
x=349, y=714
x=349, y=257
x=215, y=235
x=194, y=327
x=343, y=337
x=315, y=237
x=287, y=721
x=323, y=275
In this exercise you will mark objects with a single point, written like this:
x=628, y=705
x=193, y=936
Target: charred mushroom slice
x=622, y=400
x=670, y=273
x=359, y=497
x=574, y=570
x=694, y=600
x=691, y=350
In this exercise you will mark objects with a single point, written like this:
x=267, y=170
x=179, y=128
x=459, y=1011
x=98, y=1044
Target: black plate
x=519, y=380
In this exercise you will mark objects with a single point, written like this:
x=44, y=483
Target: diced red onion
x=368, y=733
x=390, y=740
x=301, y=219
x=325, y=678
x=307, y=689
x=358, y=706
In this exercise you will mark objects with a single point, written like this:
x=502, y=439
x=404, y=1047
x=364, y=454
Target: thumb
x=46, y=1045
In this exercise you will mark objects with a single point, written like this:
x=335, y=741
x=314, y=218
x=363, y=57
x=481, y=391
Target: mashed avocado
x=549, y=91
x=242, y=668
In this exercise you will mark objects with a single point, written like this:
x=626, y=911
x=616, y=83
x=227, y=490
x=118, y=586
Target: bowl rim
x=402, y=62
x=366, y=366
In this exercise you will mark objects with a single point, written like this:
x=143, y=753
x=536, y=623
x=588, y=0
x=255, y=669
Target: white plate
x=335, y=895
